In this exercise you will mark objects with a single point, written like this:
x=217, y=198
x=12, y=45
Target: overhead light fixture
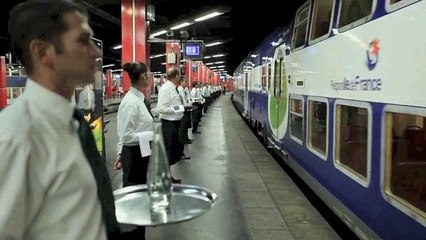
x=108, y=65
x=218, y=55
x=213, y=44
x=158, y=33
x=182, y=25
x=208, y=64
x=219, y=62
x=157, y=56
x=117, y=46
x=207, y=16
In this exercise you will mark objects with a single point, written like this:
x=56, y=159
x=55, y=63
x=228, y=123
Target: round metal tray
x=188, y=202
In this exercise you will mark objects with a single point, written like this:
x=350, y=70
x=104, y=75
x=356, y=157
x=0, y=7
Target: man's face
x=77, y=63
x=145, y=79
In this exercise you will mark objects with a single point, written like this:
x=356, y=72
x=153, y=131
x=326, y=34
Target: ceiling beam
x=99, y=12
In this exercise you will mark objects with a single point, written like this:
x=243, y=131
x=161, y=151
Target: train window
x=264, y=76
x=352, y=138
x=300, y=26
x=354, y=12
x=269, y=76
x=277, y=77
x=317, y=126
x=321, y=18
x=283, y=79
x=405, y=157
x=392, y=5
x=296, y=118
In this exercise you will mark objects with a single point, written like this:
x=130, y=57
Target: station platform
x=256, y=199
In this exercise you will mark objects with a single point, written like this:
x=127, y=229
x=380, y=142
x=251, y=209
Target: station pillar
x=108, y=85
x=3, y=83
x=134, y=34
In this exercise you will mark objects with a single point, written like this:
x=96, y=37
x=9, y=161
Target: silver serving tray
x=188, y=202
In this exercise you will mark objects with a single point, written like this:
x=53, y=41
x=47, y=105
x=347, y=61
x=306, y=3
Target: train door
x=278, y=96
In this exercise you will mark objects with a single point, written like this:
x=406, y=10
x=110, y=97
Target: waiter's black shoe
x=185, y=157
x=197, y=132
x=188, y=141
x=176, y=180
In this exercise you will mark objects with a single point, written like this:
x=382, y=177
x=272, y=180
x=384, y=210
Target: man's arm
x=19, y=198
x=163, y=105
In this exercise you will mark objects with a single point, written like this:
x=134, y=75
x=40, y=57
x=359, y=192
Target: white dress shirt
x=195, y=93
x=168, y=98
x=47, y=187
x=86, y=98
x=182, y=94
x=132, y=117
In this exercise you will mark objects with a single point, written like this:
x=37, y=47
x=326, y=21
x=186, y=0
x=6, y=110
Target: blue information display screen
x=193, y=50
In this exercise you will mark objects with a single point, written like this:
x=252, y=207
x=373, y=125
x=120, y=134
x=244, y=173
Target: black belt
x=173, y=121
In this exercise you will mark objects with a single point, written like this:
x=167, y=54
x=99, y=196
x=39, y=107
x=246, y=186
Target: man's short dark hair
x=41, y=19
x=183, y=78
x=172, y=73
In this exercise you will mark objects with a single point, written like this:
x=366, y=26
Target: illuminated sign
x=193, y=50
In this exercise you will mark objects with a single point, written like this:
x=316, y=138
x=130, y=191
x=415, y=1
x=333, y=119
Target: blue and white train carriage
x=341, y=93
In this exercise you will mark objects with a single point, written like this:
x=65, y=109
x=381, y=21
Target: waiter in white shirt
x=53, y=182
x=171, y=110
x=197, y=113
x=185, y=123
x=86, y=101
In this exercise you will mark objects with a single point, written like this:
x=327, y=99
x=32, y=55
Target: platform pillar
x=133, y=35
x=3, y=83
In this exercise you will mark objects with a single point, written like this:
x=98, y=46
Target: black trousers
x=185, y=123
x=135, y=168
x=171, y=140
x=196, y=116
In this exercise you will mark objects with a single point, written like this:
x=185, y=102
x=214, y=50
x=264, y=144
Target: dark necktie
x=180, y=97
x=101, y=175
x=186, y=94
x=147, y=107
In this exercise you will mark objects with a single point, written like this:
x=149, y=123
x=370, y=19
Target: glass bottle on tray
x=158, y=177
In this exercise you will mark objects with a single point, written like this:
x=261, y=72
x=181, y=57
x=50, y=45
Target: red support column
x=200, y=72
x=133, y=35
x=108, y=87
x=3, y=83
x=188, y=72
x=195, y=71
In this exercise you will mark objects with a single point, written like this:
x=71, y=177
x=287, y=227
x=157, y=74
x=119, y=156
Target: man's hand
x=117, y=163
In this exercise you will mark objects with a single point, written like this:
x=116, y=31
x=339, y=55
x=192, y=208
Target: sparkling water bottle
x=158, y=177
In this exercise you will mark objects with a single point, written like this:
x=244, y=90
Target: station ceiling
x=241, y=28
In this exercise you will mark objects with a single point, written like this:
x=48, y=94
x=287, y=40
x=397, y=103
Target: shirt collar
x=168, y=82
x=137, y=93
x=48, y=101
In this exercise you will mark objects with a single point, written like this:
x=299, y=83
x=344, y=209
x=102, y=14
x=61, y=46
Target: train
x=339, y=94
